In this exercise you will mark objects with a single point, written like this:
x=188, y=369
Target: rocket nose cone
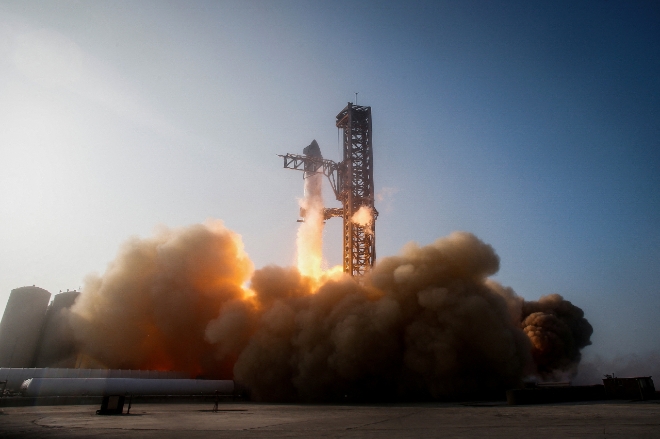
x=313, y=150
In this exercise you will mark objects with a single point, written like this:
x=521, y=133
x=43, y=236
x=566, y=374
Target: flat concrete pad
x=248, y=420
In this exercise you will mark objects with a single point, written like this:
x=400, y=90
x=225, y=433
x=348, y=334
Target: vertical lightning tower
x=352, y=181
x=357, y=188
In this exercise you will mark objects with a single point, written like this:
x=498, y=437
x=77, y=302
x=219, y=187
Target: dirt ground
x=610, y=419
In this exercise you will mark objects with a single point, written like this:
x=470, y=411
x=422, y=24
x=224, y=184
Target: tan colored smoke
x=151, y=307
x=558, y=331
x=423, y=324
x=426, y=323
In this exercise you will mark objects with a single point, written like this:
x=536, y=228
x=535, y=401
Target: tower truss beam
x=314, y=165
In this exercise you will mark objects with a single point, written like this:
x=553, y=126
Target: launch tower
x=352, y=181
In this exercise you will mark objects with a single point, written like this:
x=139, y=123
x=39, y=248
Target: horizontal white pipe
x=15, y=376
x=123, y=386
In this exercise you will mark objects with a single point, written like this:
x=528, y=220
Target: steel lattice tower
x=357, y=188
x=352, y=181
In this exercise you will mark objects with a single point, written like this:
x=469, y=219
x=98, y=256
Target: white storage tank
x=21, y=325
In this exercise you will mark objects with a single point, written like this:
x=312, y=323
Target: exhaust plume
x=428, y=323
x=310, y=232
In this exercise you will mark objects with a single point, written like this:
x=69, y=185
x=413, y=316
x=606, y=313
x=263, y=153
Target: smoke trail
x=428, y=323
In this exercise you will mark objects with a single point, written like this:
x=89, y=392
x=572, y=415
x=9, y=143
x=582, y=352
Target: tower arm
x=315, y=165
x=332, y=212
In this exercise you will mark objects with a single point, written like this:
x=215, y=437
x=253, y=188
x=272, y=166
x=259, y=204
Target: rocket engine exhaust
x=310, y=233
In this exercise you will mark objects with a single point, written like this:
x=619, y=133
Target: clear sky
x=534, y=125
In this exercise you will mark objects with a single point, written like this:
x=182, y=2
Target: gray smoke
x=593, y=370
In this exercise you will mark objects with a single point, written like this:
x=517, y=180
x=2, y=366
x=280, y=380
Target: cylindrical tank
x=16, y=376
x=57, y=347
x=21, y=326
x=123, y=386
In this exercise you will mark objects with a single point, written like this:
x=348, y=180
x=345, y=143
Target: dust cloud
x=151, y=307
x=428, y=323
x=558, y=331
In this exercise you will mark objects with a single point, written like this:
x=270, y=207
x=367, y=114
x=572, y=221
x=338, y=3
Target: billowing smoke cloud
x=424, y=324
x=428, y=323
x=152, y=306
x=558, y=331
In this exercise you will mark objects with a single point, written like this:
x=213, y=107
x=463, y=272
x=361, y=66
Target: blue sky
x=534, y=125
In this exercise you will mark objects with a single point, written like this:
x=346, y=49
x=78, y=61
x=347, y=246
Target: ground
x=610, y=419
